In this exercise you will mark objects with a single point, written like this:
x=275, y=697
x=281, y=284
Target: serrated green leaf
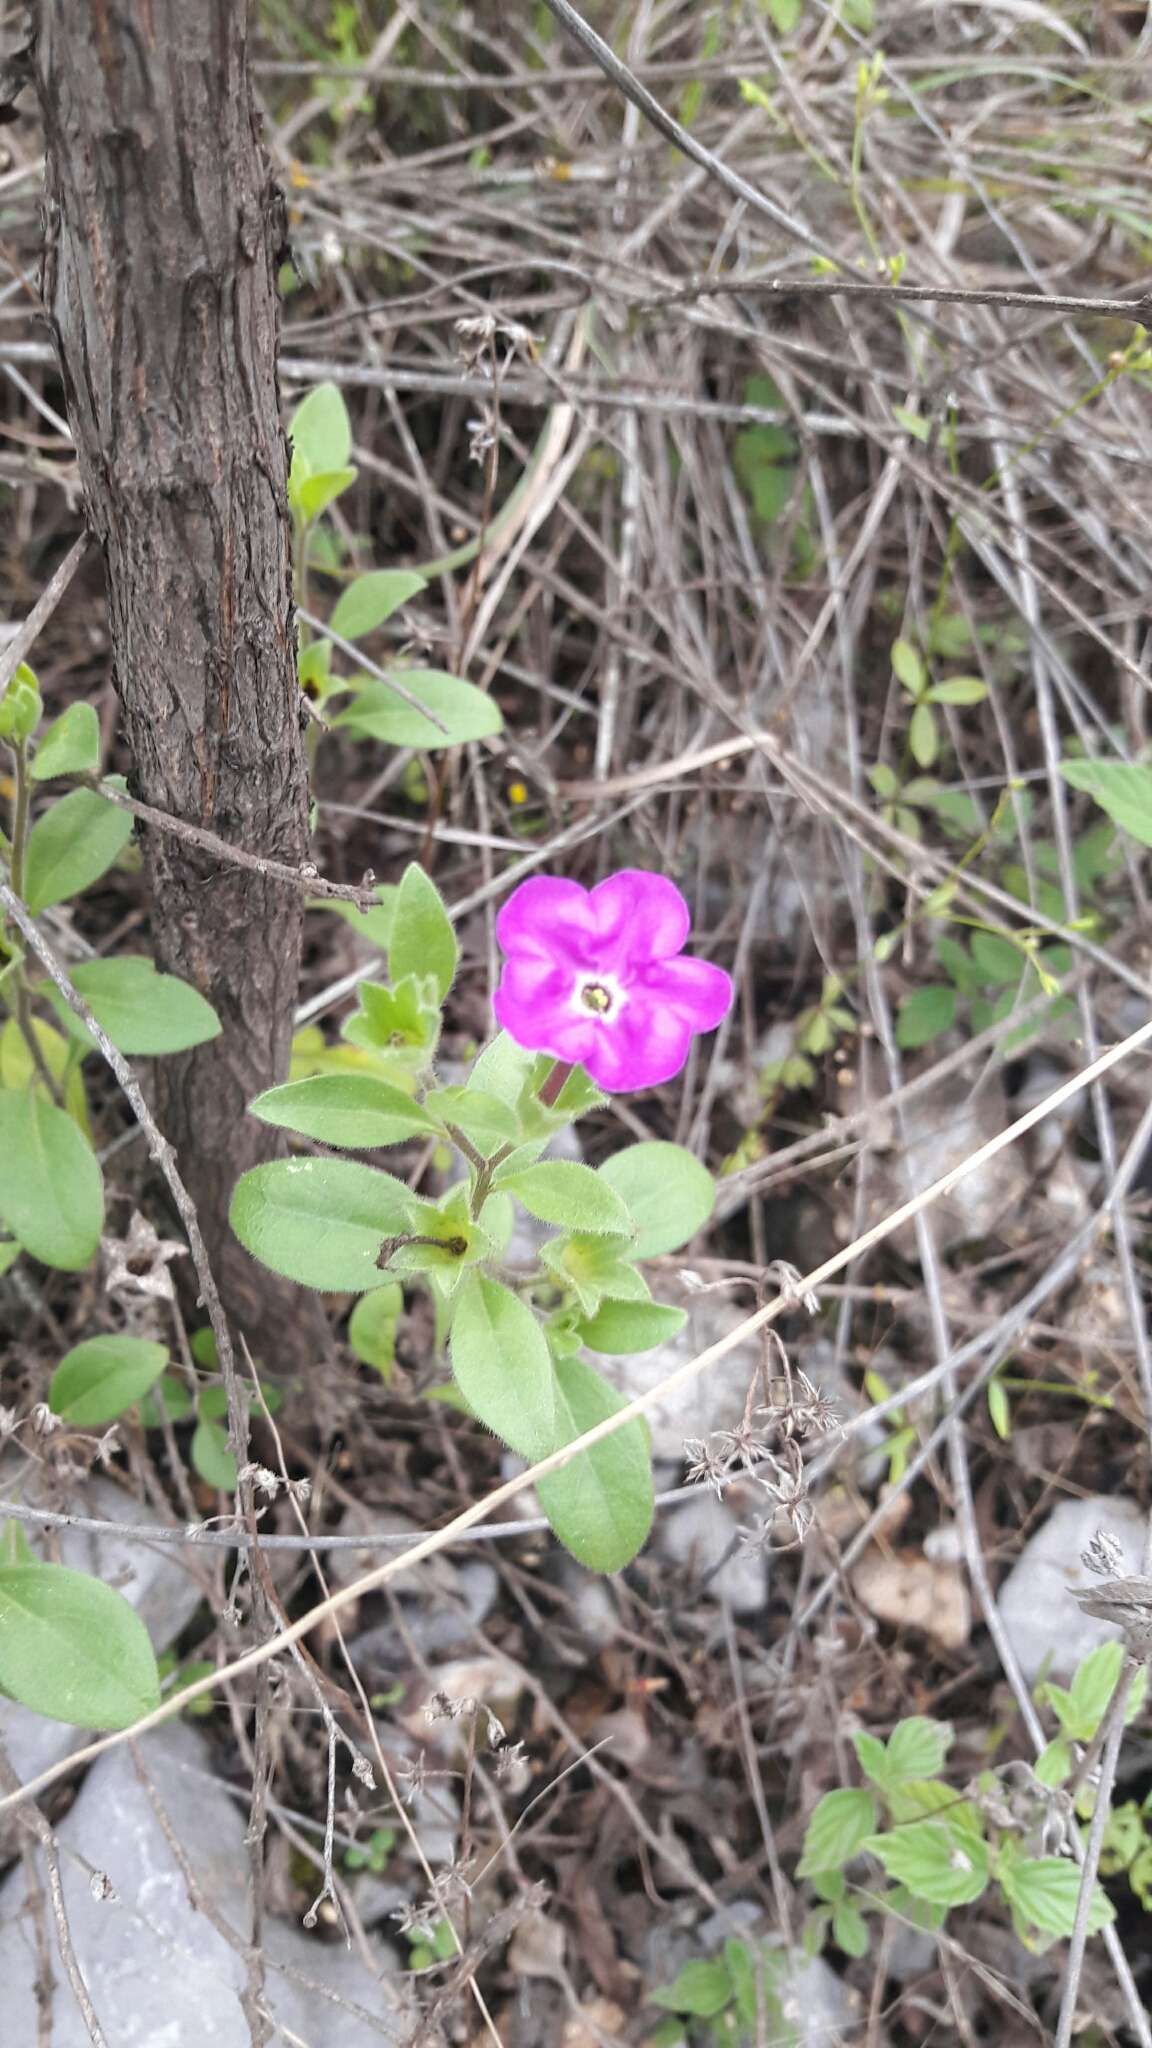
x=141, y=1011
x=1054, y=1765
x=699, y=1989
x=923, y=1015
x=464, y=713
x=70, y=846
x=1121, y=788
x=917, y=1748
x=840, y=1822
x=320, y=1221
x=352, y=1111
x=71, y=745
x=51, y=1190
x=1093, y=1685
x=850, y=1929
x=871, y=1753
x=371, y=599
x=944, y=1865
x=102, y=1377
x=667, y=1192
x=572, y=1196
x=925, y=1798
x=623, y=1328
x=1043, y=1891
x=998, y=960
x=423, y=941
x=601, y=1504
x=73, y=1649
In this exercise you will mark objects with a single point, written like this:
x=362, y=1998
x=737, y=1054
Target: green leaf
x=917, y=1748
x=912, y=422
x=1092, y=1687
x=371, y=599
x=998, y=960
x=14, y=1545
x=51, y=1191
x=71, y=846
x=403, y=1021
x=947, y=1866
x=883, y=780
x=212, y=1458
x=372, y=1329
x=502, y=1069
x=464, y=712
x=373, y=924
x=622, y=1328
x=850, y=1929
x=959, y=690
x=320, y=1221
x=21, y=705
x=102, y=1377
x=575, y=1197
x=503, y=1367
x=957, y=961
x=320, y=430
x=1043, y=1891
x=872, y=1756
x=170, y=1396
x=700, y=1989
x=484, y=1119
x=595, y=1267
x=999, y=1409
x=142, y=1011
x=928, y=1798
x=312, y=495
x=839, y=1824
x=1054, y=1765
x=73, y=1649
x=423, y=941
x=601, y=1504
x=1123, y=789
x=908, y=668
x=669, y=1195
x=71, y=745
x=923, y=736
x=785, y=15
x=923, y=1015
x=354, y=1111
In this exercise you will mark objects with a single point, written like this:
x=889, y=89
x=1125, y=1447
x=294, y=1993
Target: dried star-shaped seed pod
x=1128, y=1603
x=138, y=1263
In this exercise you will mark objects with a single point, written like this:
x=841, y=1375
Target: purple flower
x=596, y=977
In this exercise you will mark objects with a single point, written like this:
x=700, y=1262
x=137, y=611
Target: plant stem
x=553, y=1082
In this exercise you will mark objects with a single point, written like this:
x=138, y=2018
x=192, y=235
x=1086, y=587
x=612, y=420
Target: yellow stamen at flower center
x=596, y=997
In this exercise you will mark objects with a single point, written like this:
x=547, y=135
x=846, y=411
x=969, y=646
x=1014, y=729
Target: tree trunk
x=160, y=281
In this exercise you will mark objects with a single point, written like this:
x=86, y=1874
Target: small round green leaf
x=923, y=1015
x=51, y=1191
x=142, y=1011
x=1121, y=788
x=668, y=1194
x=71, y=745
x=572, y=1196
x=373, y=598
x=73, y=1649
x=71, y=846
x=623, y=1328
x=320, y=1221
x=99, y=1379
x=464, y=712
x=354, y=1111
x=372, y=1329
x=212, y=1458
x=320, y=430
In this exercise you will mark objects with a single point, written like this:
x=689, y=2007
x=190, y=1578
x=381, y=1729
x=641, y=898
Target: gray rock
x=159, y=1971
x=1044, y=1624
x=700, y=1533
x=442, y=1626
x=824, y=2011
x=161, y=1585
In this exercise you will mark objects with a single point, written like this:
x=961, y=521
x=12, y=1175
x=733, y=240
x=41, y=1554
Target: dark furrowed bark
x=162, y=244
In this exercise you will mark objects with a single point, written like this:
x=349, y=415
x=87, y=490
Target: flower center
x=596, y=997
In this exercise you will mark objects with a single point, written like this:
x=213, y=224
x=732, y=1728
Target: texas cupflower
x=597, y=977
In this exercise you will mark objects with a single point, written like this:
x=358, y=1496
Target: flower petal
x=639, y=917
x=550, y=918
x=533, y=1004
x=641, y=1047
x=696, y=991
